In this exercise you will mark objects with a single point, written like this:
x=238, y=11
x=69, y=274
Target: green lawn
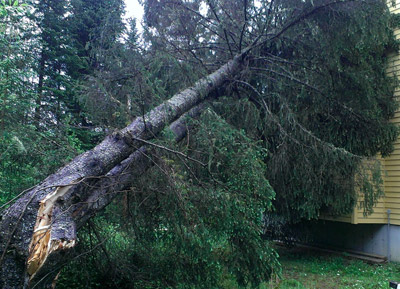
x=310, y=269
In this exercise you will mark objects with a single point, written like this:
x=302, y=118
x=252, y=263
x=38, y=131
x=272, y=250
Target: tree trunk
x=40, y=227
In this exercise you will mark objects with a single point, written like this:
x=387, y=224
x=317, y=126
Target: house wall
x=372, y=234
x=390, y=164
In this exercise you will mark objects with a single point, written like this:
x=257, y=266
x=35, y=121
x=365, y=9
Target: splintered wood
x=42, y=244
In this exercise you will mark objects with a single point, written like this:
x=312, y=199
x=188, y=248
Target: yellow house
x=378, y=233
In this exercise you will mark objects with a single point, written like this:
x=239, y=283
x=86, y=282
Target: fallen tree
x=294, y=103
x=42, y=223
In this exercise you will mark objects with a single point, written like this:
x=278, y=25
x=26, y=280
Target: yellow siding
x=392, y=163
x=394, y=6
x=392, y=179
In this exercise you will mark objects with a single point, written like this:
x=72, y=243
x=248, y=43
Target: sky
x=134, y=9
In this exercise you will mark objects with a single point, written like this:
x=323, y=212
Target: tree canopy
x=282, y=138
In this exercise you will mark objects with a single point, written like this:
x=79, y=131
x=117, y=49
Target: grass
x=309, y=269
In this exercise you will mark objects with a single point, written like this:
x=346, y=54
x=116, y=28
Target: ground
x=310, y=269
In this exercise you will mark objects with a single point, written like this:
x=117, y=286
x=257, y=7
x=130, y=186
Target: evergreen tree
x=51, y=54
x=34, y=135
x=317, y=85
x=307, y=98
x=15, y=100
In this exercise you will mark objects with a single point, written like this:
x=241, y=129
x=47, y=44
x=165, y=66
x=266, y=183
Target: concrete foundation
x=375, y=239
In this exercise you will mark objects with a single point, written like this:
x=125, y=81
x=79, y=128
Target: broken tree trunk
x=39, y=225
x=69, y=216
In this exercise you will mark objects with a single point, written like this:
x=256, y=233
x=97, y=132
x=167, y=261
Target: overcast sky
x=134, y=9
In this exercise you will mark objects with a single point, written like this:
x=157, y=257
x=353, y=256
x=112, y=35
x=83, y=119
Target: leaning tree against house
x=305, y=92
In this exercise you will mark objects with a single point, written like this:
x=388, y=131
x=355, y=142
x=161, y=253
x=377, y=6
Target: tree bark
x=39, y=229
x=69, y=216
